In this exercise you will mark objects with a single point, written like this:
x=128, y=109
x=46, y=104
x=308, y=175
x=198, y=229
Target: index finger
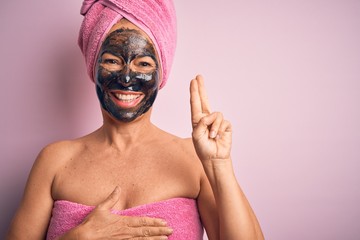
x=144, y=221
x=195, y=102
x=111, y=200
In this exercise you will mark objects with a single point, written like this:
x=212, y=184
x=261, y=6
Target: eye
x=144, y=64
x=111, y=62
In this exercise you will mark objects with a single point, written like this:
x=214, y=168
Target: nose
x=125, y=79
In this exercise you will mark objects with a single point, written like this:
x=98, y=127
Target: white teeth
x=126, y=97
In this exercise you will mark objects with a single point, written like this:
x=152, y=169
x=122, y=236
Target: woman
x=129, y=179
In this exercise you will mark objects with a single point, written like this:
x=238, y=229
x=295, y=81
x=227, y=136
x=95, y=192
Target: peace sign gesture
x=211, y=133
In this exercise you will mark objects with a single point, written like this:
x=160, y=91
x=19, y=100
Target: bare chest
x=142, y=179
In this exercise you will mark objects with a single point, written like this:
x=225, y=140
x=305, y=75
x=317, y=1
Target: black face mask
x=127, y=74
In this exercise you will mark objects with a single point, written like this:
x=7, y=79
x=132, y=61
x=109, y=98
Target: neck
x=122, y=135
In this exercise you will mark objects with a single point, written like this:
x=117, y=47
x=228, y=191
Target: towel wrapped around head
x=155, y=17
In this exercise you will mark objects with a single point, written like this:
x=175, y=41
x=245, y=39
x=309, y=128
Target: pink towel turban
x=155, y=17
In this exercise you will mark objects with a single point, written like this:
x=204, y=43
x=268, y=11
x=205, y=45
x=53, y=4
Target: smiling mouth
x=126, y=97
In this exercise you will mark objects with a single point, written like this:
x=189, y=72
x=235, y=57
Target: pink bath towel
x=156, y=18
x=181, y=214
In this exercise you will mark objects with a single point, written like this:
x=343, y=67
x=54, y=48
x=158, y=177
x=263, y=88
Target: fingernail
x=213, y=134
x=163, y=222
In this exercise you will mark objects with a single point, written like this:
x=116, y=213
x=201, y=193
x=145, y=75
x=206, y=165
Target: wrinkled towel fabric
x=156, y=18
x=181, y=214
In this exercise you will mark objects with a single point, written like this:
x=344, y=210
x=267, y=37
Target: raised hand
x=102, y=224
x=211, y=133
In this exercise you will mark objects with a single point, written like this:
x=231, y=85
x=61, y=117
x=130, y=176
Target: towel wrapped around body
x=181, y=214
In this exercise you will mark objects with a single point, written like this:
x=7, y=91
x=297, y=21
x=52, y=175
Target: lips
x=127, y=99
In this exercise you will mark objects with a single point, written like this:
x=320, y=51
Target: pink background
x=286, y=73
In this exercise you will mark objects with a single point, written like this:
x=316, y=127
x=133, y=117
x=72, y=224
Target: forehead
x=127, y=37
x=125, y=24
x=126, y=34
x=128, y=43
x=130, y=37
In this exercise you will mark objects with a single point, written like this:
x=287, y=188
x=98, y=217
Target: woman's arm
x=33, y=215
x=212, y=140
x=235, y=218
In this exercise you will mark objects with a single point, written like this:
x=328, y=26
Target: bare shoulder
x=182, y=152
x=56, y=154
x=177, y=144
x=188, y=147
x=58, y=150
